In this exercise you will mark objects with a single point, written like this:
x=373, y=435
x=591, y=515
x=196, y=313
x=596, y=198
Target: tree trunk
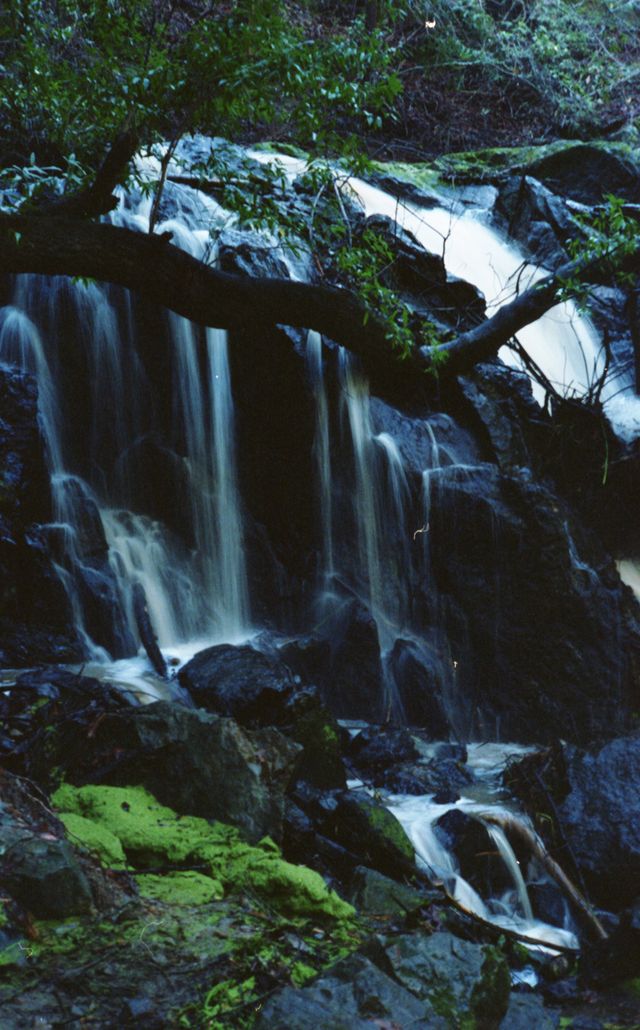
x=167, y=276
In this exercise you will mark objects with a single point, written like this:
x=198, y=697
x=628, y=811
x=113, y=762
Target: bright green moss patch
x=152, y=834
x=181, y=888
x=94, y=837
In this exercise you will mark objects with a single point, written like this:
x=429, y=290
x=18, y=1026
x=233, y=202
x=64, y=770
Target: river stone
x=201, y=764
x=240, y=682
x=463, y=981
x=352, y=995
x=374, y=749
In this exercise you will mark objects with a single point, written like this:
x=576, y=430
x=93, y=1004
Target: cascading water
x=83, y=344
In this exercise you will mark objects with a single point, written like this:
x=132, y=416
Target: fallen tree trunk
x=162, y=273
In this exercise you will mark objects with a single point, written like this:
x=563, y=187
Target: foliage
x=76, y=73
x=567, y=63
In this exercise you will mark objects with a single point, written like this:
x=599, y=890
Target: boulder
x=43, y=874
x=587, y=172
x=368, y=830
x=478, y=859
x=375, y=749
x=239, y=682
x=617, y=958
x=527, y=1011
x=199, y=763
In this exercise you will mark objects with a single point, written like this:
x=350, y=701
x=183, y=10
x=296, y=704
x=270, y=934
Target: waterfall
x=563, y=342
x=98, y=374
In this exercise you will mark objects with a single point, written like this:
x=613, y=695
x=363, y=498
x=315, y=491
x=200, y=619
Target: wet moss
x=152, y=834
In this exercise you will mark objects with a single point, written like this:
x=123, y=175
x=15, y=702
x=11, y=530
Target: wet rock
x=537, y=218
x=367, y=830
x=310, y=723
x=200, y=764
x=465, y=980
x=239, y=682
x=422, y=281
x=517, y=428
x=47, y=715
x=36, y=621
x=298, y=834
x=354, y=994
x=353, y=683
x=375, y=894
x=425, y=441
x=418, y=679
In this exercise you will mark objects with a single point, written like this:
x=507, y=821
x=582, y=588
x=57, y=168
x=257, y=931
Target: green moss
x=384, y=823
x=152, y=834
x=181, y=888
x=301, y=973
x=93, y=837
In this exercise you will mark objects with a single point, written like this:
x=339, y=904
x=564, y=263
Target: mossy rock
x=367, y=829
x=152, y=834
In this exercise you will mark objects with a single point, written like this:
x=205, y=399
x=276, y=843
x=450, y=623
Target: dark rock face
x=599, y=817
x=417, y=675
x=35, y=618
x=587, y=173
x=537, y=219
x=566, y=666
